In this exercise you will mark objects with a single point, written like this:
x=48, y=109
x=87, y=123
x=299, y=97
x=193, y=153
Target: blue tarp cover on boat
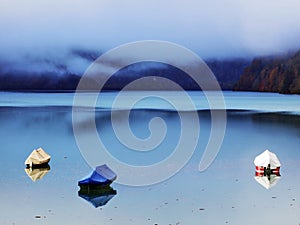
x=101, y=175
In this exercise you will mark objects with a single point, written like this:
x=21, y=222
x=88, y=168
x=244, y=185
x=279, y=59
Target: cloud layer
x=210, y=28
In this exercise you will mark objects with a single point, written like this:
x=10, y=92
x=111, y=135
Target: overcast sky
x=212, y=28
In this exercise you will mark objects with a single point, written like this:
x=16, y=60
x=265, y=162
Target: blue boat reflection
x=97, y=196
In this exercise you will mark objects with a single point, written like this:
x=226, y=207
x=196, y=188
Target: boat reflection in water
x=37, y=173
x=95, y=187
x=267, y=181
x=96, y=195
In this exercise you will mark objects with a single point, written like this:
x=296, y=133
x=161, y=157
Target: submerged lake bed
x=225, y=193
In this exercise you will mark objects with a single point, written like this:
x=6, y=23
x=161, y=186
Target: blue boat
x=101, y=176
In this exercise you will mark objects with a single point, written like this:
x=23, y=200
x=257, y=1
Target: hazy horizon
x=212, y=29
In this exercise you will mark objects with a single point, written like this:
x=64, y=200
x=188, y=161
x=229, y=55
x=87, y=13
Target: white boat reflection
x=37, y=173
x=267, y=181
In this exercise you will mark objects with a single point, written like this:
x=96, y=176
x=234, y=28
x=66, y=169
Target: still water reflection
x=37, y=173
x=226, y=193
x=97, y=196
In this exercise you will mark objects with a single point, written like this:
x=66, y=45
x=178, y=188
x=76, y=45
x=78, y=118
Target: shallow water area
x=225, y=193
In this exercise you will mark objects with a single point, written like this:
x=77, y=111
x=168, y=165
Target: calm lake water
x=225, y=193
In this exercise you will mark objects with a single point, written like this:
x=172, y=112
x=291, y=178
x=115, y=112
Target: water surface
x=226, y=193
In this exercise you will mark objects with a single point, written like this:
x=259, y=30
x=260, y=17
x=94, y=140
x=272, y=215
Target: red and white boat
x=267, y=163
x=267, y=167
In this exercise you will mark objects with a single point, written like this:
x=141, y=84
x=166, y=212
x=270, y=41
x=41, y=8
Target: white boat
x=38, y=157
x=267, y=163
x=267, y=167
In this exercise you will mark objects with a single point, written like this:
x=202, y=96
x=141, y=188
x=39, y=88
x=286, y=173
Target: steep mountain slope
x=272, y=74
x=50, y=73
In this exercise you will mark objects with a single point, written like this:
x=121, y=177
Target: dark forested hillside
x=45, y=73
x=228, y=71
x=268, y=74
x=272, y=74
x=51, y=74
x=48, y=81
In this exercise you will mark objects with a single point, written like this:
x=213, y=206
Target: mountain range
x=269, y=74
